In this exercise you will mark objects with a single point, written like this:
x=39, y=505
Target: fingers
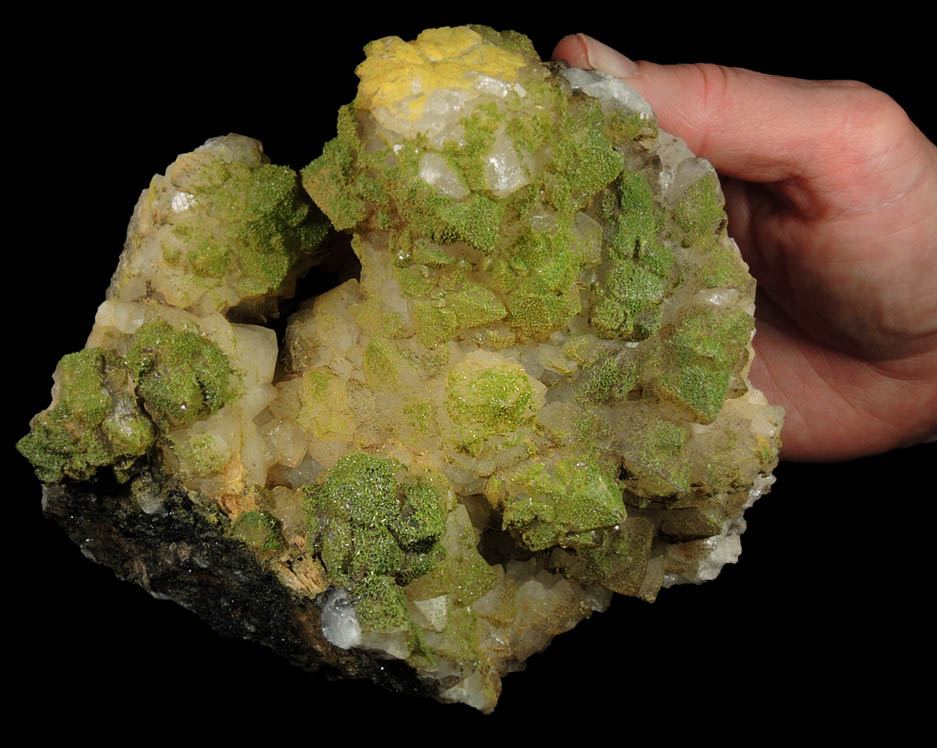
x=584, y=52
x=751, y=126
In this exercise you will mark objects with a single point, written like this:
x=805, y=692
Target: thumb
x=751, y=126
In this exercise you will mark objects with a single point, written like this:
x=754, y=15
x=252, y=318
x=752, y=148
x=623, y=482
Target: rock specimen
x=532, y=396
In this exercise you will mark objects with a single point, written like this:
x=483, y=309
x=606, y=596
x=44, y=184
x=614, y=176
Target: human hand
x=831, y=194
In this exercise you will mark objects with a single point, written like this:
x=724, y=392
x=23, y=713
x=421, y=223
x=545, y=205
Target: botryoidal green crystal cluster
x=535, y=395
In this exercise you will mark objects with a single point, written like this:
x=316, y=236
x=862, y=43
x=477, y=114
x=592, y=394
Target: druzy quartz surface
x=531, y=396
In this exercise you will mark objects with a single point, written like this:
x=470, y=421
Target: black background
x=822, y=620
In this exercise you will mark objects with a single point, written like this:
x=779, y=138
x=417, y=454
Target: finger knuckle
x=712, y=88
x=872, y=118
x=714, y=83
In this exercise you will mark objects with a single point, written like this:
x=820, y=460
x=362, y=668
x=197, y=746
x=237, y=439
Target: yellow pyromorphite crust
x=400, y=75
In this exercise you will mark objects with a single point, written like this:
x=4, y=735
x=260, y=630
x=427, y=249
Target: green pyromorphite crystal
x=559, y=506
x=376, y=530
x=223, y=228
x=179, y=375
x=97, y=421
x=111, y=408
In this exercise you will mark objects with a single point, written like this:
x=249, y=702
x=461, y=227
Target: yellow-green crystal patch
x=375, y=529
x=96, y=421
x=180, y=375
x=484, y=402
x=557, y=507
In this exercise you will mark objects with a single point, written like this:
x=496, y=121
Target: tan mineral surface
x=532, y=396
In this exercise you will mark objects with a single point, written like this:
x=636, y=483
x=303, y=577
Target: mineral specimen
x=533, y=394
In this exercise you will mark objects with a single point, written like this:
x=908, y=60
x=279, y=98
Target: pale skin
x=831, y=194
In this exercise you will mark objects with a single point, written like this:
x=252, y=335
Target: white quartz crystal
x=339, y=622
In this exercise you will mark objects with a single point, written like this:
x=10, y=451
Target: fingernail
x=606, y=59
